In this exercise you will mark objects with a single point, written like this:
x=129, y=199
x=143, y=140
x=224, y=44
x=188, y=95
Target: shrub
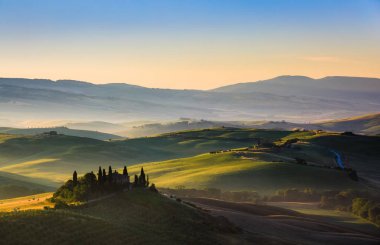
x=60, y=204
x=153, y=188
x=360, y=207
x=374, y=213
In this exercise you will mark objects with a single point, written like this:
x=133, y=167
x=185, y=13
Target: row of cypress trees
x=142, y=180
x=90, y=186
x=103, y=177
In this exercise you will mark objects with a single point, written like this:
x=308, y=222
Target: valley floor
x=141, y=216
x=270, y=225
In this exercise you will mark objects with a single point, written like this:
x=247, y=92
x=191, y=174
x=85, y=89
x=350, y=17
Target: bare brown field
x=264, y=224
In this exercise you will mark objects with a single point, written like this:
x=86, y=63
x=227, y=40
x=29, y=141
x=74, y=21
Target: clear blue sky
x=188, y=44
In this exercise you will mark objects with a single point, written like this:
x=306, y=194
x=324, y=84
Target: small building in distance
x=51, y=133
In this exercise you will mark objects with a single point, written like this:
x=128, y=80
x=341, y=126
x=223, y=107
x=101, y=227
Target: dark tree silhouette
x=88, y=187
x=125, y=171
x=75, y=178
x=142, y=180
x=136, y=182
x=104, y=176
x=93, y=179
x=110, y=174
x=100, y=176
x=153, y=188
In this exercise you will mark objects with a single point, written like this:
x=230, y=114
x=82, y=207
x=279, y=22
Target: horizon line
x=194, y=89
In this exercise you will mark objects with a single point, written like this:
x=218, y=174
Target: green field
x=53, y=158
x=137, y=217
x=171, y=160
x=13, y=185
x=256, y=171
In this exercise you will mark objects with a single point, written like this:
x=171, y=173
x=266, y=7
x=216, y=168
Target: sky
x=188, y=44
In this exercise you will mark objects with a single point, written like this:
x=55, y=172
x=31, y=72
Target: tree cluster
x=360, y=203
x=91, y=186
x=295, y=195
x=234, y=196
x=142, y=180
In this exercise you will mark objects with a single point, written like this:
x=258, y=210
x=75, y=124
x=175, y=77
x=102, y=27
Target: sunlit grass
x=135, y=217
x=254, y=171
x=38, y=201
x=5, y=137
x=26, y=164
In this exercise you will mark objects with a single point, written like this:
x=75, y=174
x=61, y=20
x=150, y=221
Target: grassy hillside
x=137, y=217
x=32, y=202
x=359, y=152
x=61, y=130
x=259, y=171
x=12, y=185
x=55, y=157
x=368, y=124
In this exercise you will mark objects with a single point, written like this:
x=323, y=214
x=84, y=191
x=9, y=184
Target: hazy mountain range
x=292, y=98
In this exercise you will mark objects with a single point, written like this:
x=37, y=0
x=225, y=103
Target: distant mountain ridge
x=293, y=98
x=338, y=86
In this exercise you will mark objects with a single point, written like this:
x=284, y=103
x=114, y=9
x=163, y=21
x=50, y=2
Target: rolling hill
x=367, y=124
x=137, y=217
x=60, y=130
x=13, y=185
x=55, y=157
x=144, y=217
x=237, y=171
x=152, y=129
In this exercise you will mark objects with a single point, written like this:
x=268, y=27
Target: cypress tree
x=142, y=180
x=147, y=180
x=110, y=174
x=100, y=177
x=125, y=171
x=104, y=176
x=136, y=183
x=75, y=178
x=93, y=179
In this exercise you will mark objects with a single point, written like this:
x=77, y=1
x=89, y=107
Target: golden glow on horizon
x=188, y=74
x=185, y=64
